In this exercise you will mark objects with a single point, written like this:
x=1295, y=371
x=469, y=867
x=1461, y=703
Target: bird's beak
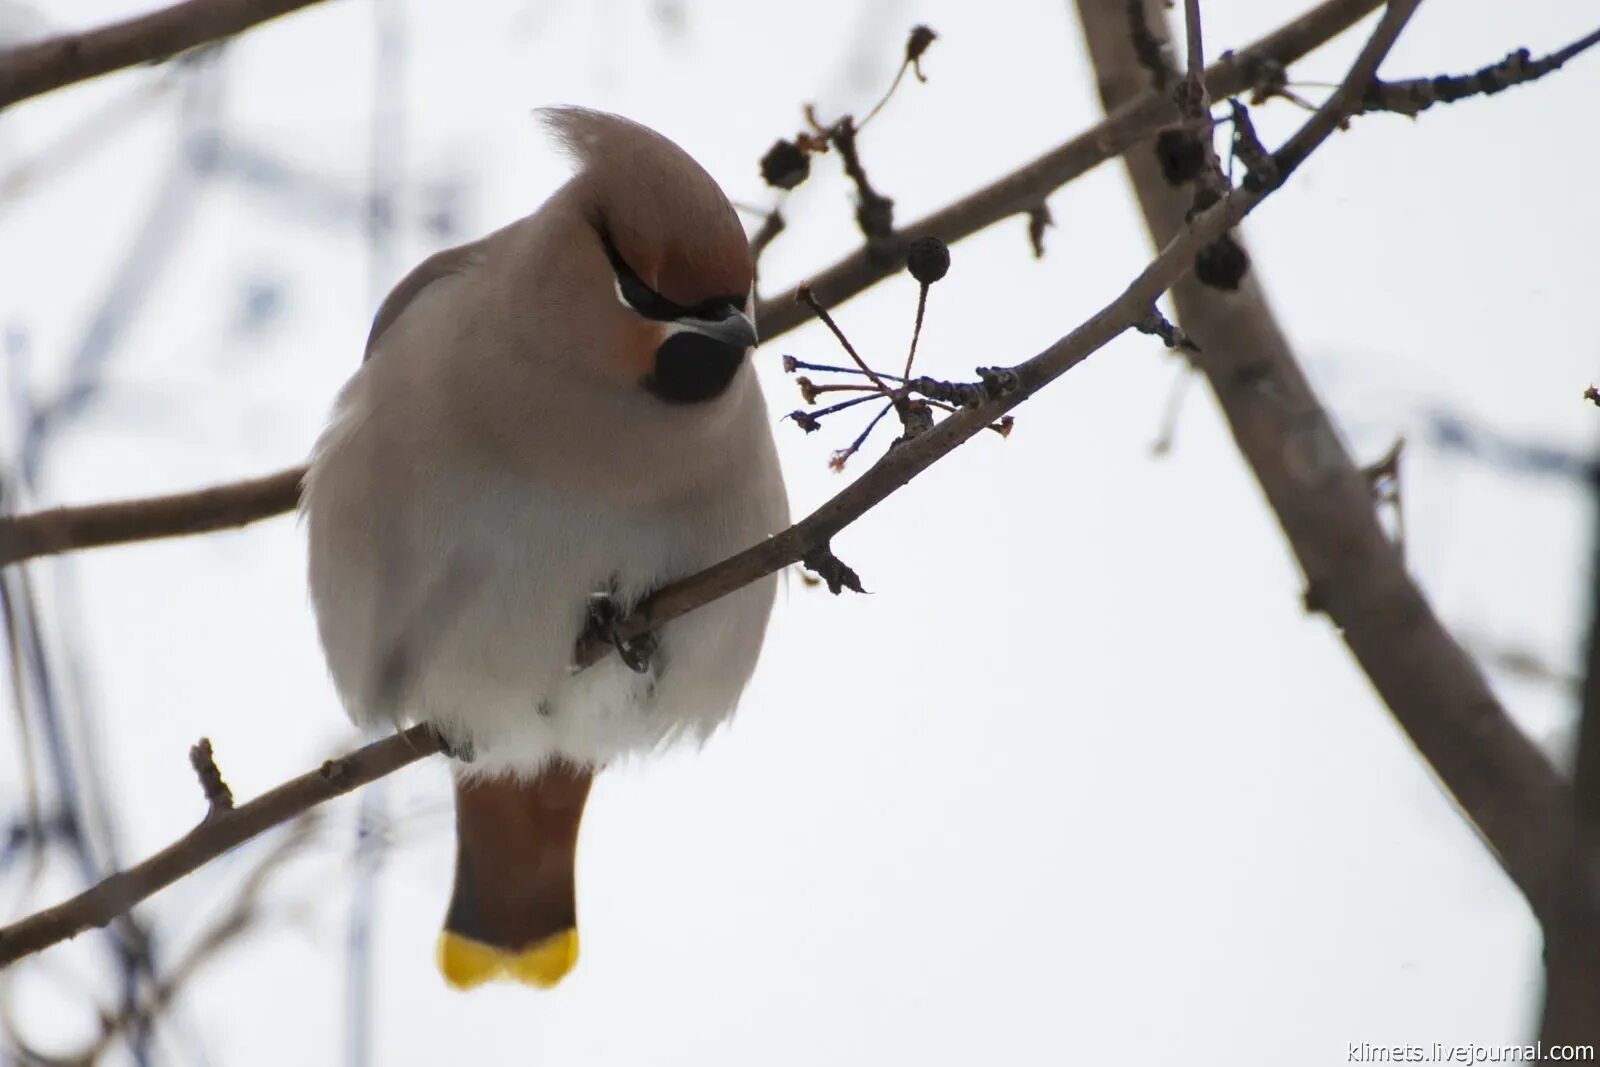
x=735, y=329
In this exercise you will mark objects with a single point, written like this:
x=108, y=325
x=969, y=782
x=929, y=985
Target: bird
x=548, y=424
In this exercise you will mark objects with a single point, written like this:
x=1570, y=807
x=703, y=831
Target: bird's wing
x=439, y=265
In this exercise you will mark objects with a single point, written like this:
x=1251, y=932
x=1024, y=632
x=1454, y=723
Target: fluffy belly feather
x=471, y=623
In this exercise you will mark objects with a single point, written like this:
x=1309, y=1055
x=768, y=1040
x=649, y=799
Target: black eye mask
x=690, y=368
x=651, y=304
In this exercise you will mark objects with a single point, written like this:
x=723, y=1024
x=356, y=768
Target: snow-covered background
x=1079, y=781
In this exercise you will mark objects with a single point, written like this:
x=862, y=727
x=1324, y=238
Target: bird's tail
x=514, y=910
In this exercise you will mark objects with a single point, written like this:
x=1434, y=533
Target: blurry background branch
x=31, y=69
x=245, y=911
x=807, y=539
x=1503, y=783
x=1019, y=193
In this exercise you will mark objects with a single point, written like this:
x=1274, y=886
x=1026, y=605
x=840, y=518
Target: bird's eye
x=634, y=292
x=645, y=300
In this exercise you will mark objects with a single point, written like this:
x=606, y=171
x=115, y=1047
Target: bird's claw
x=457, y=748
x=604, y=614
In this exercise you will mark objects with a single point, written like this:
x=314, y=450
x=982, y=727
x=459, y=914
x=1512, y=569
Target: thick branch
x=220, y=831
x=32, y=69
x=1437, y=694
x=1572, y=940
x=1020, y=193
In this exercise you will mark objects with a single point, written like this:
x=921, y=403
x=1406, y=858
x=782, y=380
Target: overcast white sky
x=1079, y=781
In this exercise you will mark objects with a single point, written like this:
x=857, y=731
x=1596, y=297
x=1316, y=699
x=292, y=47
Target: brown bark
x=220, y=831
x=1503, y=783
x=31, y=69
x=46, y=533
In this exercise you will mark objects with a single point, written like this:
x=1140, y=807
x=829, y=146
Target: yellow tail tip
x=467, y=964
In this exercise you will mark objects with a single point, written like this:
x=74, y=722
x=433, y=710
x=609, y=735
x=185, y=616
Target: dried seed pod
x=928, y=259
x=1222, y=264
x=1181, y=154
x=785, y=165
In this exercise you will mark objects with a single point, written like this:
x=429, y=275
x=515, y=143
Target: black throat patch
x=692, y=368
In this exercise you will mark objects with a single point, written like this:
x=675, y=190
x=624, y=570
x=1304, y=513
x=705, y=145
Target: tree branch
x=45, y=533
x=1019, y=193
x=32, y=69
x=1572, y=940
x=1415, y=95
x=1503, y=783
x=219, y=832
x=897, y=467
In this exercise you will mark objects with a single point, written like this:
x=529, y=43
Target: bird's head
x=673, y=265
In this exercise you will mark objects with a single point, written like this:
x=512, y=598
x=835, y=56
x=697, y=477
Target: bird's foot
x=457, y=748
x=604, y=614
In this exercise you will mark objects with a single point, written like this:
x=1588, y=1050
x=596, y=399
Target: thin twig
x=916, y=331
x=809, y=300
x=809, y=421
x=1415, y=95
x=219, y=798
x=917, y=43
x=772, y=224
x=790, y=365
x=841, y=457
x=1170, y=414
x=1197, y=98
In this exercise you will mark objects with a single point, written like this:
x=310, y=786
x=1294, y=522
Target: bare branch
x=1039, y=220
x=1195, y=72
x=772, y=224
x=32, y=69
x=110, y=898
x=1133, y=123
x=1156, y=325
x=1324, y=503
x=45, y=533
x=1572, y=939
x=219, y=798
x=1415, y=95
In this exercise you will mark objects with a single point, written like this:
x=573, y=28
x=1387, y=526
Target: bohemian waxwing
x=562, y=409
